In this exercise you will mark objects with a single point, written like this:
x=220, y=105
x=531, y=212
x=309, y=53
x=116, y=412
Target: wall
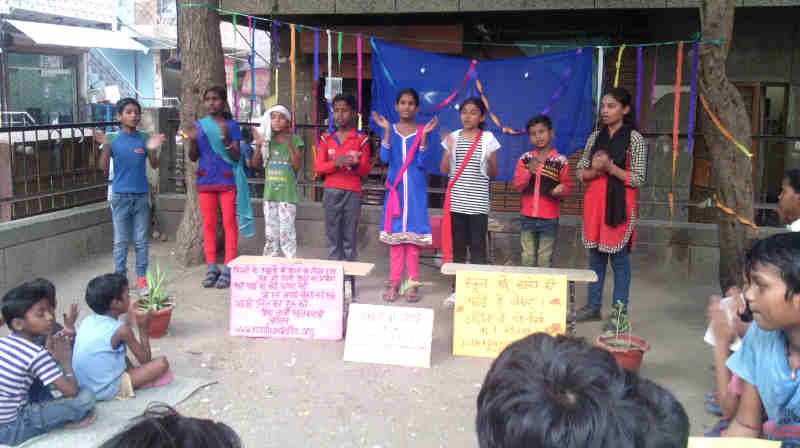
x=101, y=73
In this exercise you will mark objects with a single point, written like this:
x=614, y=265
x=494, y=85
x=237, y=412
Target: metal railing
x=46, y=168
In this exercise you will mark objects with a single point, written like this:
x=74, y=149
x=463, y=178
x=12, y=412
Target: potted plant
x=626, y=348
x=158, y=300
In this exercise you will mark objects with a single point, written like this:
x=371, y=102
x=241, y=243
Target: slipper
x=718, y=429
x=163, y=380
x=413, y=296
x=713, y=409
x=224, y=280
x=211, y=279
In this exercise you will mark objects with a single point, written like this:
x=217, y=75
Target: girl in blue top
x=130, y=202
x=405, y=227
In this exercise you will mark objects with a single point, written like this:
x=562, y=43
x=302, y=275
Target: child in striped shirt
x=22, y=360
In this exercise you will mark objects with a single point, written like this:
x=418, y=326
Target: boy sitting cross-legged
x=99, y=355
x=29, y=316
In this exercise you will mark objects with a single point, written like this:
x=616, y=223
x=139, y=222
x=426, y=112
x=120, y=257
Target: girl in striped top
x=470, y=158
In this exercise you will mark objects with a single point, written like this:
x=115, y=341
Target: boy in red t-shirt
x=342, y=157
x=542, y=176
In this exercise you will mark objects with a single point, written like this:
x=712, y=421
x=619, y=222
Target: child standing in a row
x=542, y=176
x=405, y=211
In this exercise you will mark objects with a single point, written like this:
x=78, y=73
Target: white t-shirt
x=470, y=194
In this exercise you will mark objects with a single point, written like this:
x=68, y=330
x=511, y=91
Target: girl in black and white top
x=469, y=190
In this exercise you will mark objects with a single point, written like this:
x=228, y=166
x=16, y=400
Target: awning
x=75, y=36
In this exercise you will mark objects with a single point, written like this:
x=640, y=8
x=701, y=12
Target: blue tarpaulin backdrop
x=516, y=89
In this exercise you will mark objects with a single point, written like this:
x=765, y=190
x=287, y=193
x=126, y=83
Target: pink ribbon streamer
x=393, y=209
x=358, y=50
x=447, y=100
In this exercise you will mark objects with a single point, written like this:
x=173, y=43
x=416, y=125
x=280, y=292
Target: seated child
x=22, y=360
x=99, y=355
x=726, y=328
x=559, y=392
x=769, y=358
x=162, y=427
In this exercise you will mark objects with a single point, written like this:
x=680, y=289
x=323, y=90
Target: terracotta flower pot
x=630, y=358
x=160, y=321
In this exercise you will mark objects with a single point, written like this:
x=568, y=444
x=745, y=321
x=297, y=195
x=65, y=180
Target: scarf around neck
x=617, y=148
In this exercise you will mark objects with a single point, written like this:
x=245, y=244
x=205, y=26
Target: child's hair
x=124, y=102
x=556, y=392
x=162, y=427
x=223, y=94
x=624, y=97
x=45, y=289
x=477, y=102
x=410, y=92
x=18, y=301
x=247, y=134
x=539, y=119
x=104, y=289
x=347, y=98
x=667, y=425
x=793, y=176
x=781, y=251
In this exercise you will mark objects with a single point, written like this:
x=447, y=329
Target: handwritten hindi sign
x=731, y=442
x=286, y=301
x=389, y=335
x=494, y=309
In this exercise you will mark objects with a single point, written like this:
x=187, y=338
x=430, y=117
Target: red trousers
x=208, y=208
x=397, y=254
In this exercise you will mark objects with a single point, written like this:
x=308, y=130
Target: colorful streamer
x=235, y=77
x=467, y=76
x=339, y=48
x=328, y=85
x=723, y=129
x=692, y=100
x=494, y=118
x=252, y=67
x=359, y=77
x=292, y=79
x=600, y=69
x=376, y=54
x=275, y=60
x=731, y=212
x=315, y=93
x=653, y=87
x=638, y=85
x=564, y=79
x=676, y=121
x=619, y=64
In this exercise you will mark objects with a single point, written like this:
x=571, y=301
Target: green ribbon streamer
x=339, y=46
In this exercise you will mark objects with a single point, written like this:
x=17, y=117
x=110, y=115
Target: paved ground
x=279, y=393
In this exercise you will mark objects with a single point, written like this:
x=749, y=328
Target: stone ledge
x=20, y=231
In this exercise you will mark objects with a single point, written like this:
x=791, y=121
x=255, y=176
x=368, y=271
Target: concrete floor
x=284, y=392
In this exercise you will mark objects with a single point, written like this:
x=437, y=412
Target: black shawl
x=617, y=149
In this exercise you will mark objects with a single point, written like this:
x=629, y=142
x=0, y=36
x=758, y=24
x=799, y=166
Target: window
x=43, y=86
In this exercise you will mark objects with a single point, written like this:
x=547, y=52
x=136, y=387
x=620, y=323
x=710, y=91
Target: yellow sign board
x=731, y=442
x=494, y=309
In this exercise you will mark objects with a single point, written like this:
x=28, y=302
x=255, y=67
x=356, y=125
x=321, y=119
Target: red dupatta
x=447, y=231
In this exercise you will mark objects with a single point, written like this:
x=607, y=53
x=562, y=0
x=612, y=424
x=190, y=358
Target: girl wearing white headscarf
x=279, y=151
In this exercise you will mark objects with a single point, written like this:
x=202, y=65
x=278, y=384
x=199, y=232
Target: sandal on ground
x=224, y=280
x=413, y=296
x=391, y=292
x=211, y=279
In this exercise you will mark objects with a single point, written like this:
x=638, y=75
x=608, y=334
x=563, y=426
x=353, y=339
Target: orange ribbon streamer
x=494, y=118
x=292, y=65
x=730, y=211
x=724, y=130
x=676, y=121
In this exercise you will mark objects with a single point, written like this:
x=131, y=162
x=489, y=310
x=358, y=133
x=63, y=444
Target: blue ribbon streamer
x=316, y=56
x=692, y=100
x=377, y=55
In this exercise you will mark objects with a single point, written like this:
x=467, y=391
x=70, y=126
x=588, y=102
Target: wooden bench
x=573, y=275
x=352, y=269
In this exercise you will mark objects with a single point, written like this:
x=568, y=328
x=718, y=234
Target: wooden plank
x=350, y=267
x=573, y=275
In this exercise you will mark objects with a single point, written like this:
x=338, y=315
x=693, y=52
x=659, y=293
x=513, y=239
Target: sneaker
x=586, y=314
x=450, y=301
x=141, y=285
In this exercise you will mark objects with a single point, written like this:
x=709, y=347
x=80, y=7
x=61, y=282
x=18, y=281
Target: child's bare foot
x=83, y=423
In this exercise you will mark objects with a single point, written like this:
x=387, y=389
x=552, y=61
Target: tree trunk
x=202, y=66
x=732, y=171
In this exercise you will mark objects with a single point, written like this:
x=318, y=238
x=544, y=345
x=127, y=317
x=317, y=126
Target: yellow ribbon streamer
x=619, y=64
x=494, y=118
x=292, y=64
x=723, y=130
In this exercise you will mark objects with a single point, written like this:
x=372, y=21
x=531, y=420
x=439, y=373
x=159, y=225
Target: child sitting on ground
x=727, y=328
x=22, y=360
x=769, y=358
x=99, y=356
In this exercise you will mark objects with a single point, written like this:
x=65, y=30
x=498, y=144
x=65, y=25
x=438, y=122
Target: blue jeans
x=131, y=215
x=537, y=238
x=35, y=419
x=621, y=264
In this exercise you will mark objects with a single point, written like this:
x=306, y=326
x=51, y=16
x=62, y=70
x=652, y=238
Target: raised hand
x=100, y=137
x=71, y=317
x=558, y=190
x=600, y=161
x=258, y=136
x=143, y=320
x=155, y=141
x=60, y=347
x=380, y=120
x=190, y=132
x=431, y=125
x=718, y=320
